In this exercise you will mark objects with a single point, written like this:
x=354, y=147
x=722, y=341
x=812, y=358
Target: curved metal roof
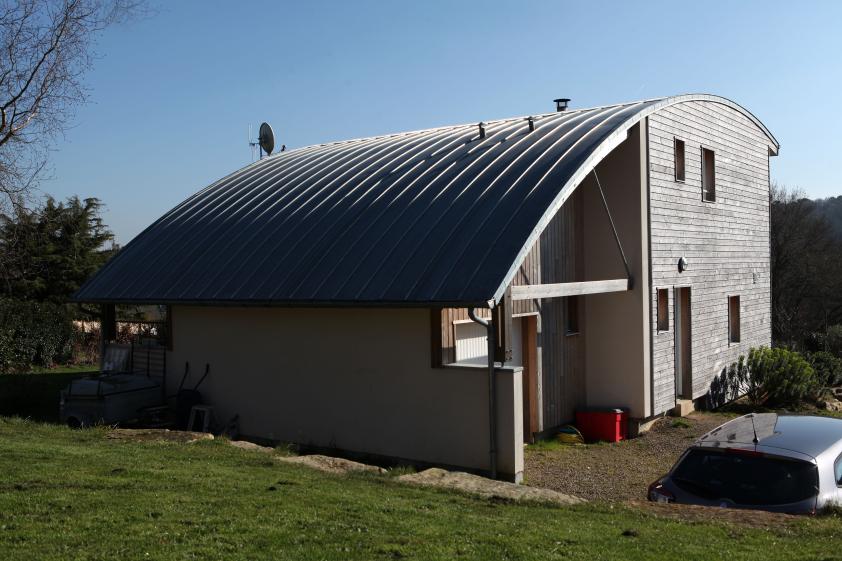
x=440, y=216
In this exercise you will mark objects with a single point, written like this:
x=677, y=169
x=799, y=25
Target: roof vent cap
x=561, y=103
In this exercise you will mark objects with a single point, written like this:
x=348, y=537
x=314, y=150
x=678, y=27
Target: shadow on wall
x=34, y=396
x=730, y=384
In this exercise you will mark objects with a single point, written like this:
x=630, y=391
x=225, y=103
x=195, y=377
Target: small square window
x=708, y=176
x=572, y=326
x=733, y=319
x=663, y=309
x=679, y=160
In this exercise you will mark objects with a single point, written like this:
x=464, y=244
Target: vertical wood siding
x=726, y=242
x=562, y=356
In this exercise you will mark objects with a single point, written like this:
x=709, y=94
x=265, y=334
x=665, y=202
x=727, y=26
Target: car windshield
x=746, y=478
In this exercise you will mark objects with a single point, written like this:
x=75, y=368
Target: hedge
x=33, y=335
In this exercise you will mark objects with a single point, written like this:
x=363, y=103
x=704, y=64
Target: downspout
x=492, y=390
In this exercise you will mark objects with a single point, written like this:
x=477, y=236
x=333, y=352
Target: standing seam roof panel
x=433, y=217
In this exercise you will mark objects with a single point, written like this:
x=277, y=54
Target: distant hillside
x=831, y=210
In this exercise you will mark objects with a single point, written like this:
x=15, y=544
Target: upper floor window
x=679, y=160
x=708, y=176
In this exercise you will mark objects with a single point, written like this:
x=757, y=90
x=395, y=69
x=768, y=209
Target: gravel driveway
x=616, y=472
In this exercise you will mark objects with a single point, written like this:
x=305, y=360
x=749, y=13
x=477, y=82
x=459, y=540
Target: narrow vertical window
x=572, y=315
x=663, y=309
x=679, y=160
x=733, y=319
x=708, y=176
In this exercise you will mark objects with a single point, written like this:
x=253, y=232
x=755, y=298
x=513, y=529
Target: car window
x=746, y=478
x=838, y=471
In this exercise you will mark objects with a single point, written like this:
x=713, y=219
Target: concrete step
x=683, y=407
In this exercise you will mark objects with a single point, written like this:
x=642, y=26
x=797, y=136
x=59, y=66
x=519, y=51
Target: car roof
x=805, y=434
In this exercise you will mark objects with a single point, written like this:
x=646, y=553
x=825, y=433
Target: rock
x=833, y=405
x=246, y=445
x=488, y=488
x=329, y=463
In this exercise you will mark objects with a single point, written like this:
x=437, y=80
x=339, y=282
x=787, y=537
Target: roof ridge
x=501, y=120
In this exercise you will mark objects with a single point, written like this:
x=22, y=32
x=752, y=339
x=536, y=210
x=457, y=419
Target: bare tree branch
x=46, y=47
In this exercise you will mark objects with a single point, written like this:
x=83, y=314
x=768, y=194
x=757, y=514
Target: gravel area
x=620, y=471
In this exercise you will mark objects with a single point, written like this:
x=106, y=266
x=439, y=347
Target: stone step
x=683, y=407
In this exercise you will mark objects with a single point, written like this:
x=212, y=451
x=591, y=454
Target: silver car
x=766, y=461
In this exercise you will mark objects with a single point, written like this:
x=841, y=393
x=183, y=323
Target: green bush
x=774, y=377
x=828, y=368
x=33, y=334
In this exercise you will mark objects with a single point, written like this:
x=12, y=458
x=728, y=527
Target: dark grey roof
x=439, y=216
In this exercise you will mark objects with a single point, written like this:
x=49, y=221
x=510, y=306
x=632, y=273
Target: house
x=346, y=294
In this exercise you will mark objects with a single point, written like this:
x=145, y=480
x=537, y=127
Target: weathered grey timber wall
x=726, y=242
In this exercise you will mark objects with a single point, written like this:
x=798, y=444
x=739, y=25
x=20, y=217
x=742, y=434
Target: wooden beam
x=539, y=291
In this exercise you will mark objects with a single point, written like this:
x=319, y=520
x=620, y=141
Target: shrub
x=828, y=368
x=33, y=334
x=775, y=377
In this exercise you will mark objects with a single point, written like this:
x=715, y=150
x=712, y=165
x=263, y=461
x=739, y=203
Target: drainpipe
x=492, y=390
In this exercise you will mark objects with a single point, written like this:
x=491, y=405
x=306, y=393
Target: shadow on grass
x=35, y=395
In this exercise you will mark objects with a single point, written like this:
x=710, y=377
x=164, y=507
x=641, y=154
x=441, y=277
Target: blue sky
x=172, y=96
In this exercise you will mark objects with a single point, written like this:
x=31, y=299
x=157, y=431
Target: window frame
x=682, y=177
x=712, y=190
x=662, y=327
x=836, y=465
x=731, y=339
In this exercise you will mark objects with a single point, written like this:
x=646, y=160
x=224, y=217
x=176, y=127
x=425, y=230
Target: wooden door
x=529, y=353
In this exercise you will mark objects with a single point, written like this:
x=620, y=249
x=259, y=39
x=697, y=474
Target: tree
x=46, y=254
x=46, y=46
x=806, y=271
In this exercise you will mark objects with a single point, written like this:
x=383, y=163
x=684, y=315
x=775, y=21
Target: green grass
x=680, y=424
x=68, y=494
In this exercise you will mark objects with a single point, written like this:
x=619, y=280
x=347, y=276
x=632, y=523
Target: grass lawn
x=68, y=494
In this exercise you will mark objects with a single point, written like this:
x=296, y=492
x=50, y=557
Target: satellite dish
x=266, y=138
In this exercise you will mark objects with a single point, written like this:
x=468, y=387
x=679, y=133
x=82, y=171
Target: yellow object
x=570, y=435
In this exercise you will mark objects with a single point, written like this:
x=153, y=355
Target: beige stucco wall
x=617, y=358
x=353, y=379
